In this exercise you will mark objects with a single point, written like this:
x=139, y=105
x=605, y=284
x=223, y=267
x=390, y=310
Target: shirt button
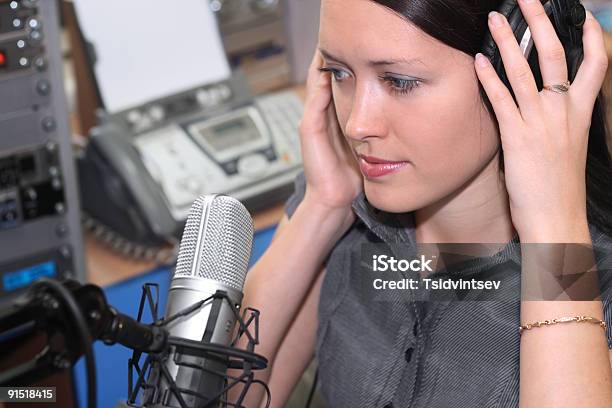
x=408, y=354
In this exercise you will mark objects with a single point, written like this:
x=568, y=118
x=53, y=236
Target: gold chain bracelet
x=568, y=319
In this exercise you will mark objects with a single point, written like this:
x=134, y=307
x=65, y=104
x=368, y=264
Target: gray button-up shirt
x=408, y=353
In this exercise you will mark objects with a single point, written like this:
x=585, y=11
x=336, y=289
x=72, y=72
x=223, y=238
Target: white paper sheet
x=147, y=49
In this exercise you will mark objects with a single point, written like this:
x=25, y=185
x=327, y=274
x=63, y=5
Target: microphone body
x=213, y=323
x=213, y=256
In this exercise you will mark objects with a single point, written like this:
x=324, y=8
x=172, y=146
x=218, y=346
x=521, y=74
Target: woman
x=400, y=146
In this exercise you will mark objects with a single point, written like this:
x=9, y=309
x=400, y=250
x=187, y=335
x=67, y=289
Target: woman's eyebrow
x=407, y=61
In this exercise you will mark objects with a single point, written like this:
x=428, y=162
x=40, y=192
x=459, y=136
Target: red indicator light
x=2, y=59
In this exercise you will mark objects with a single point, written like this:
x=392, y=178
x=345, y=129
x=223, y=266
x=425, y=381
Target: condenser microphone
x=213, y=257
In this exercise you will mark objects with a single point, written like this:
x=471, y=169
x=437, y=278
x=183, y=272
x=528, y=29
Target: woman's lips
x=372, y=167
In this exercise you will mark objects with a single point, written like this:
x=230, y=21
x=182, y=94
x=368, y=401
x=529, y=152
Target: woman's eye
x=336, y=73
x=401, y=86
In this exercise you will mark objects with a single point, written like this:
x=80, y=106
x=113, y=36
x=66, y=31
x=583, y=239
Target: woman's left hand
x=545, y=138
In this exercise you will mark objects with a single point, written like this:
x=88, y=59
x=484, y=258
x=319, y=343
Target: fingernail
x=482, y=61
x=496, y=19
x=526, y=1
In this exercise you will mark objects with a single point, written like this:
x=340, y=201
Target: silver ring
x=559, y=88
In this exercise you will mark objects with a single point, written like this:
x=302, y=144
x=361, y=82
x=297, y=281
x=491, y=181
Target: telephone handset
x=118, y=191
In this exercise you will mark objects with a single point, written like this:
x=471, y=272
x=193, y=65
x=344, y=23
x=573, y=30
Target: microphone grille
x=217, y=241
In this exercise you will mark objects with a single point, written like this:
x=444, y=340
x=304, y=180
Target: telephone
x=143, y=167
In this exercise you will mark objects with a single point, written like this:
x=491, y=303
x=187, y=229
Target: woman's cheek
x=444, y=154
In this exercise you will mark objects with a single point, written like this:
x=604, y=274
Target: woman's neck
x=478, y=212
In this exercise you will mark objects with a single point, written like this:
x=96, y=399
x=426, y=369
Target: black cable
x=312, y=390
x=259, y=362
x=267, y=390
x=81, y=326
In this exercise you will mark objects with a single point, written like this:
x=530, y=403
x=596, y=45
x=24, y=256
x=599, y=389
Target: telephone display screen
x=230, y=134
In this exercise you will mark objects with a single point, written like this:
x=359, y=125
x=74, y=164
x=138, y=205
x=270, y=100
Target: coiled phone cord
x=162, y=255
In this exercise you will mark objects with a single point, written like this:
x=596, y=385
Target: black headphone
x=567, y=16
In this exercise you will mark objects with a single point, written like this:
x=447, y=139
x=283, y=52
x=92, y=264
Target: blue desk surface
x=111, y=362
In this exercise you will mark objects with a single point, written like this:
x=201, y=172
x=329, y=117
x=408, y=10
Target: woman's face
x=404, y=97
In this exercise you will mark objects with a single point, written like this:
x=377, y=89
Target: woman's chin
x=391, y=199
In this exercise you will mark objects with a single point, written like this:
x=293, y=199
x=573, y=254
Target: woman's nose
x=366, y=118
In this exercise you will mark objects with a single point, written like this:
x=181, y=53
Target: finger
x=516, y=66
x=335, y=133
x=318, y=97
x=551, y=54
x=592, y=72
x=504, y=106
x=315, y=81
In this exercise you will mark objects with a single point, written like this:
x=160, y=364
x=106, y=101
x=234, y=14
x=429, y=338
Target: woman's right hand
x=333, y=179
